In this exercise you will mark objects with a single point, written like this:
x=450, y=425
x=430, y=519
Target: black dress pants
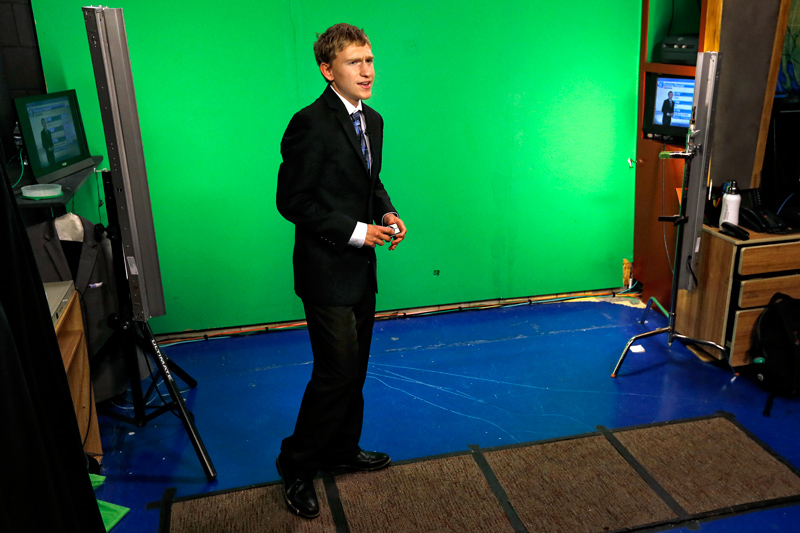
x=328, y=426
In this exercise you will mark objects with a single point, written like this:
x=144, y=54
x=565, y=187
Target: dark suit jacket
x=47, y=140
x=47, y=144
x=324, y=188
x=668, y=106
x=94, y=280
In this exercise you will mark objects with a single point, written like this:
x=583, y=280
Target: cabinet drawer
x=744, y=325
x=769, y=258
x=758, y=292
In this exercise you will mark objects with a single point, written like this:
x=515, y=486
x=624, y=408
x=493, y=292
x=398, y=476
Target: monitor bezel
x=650, y=129
x=59, y=169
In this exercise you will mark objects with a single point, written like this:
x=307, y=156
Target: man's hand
x=391, y=218
x=377, y=235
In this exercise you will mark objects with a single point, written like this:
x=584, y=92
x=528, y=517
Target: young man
x=668, y=109
x=329, y=188
x=47, y=144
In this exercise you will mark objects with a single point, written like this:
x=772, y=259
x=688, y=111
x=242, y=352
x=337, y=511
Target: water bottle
x=731, y=201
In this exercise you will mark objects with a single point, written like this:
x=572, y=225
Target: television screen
x=52, y=132
x=673, y=103
x=668, y=106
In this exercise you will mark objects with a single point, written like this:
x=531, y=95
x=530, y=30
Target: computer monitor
x=53, y=134
x=665, y=92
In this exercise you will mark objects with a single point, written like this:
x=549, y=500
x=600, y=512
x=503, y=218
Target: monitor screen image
x=668, y=100
x=53, y=135
x=673, y=95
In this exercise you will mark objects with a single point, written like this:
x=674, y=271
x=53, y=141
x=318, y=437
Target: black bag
x=776, y=349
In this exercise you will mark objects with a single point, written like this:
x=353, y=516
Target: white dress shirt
x=360, y=232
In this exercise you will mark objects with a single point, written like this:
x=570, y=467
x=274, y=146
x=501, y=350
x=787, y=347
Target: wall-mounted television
x=667, y=106
x=53, y=134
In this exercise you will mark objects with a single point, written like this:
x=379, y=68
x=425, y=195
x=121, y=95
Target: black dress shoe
x=300, y=496
x=363, y=462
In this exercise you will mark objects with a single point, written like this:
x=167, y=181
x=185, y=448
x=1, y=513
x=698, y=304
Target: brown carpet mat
x=454, y=497
x=574, y=486
x=647, y=477
x=245, y=511
x=724, y=466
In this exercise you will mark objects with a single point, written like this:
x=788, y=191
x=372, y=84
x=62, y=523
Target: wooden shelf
x=72, y=343
x=666, y=68
x=68, y=343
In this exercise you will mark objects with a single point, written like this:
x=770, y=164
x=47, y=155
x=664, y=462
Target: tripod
x=136, y=332
x=679, y=221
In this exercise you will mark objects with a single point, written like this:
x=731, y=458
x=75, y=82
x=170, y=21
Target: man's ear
x=326, y=71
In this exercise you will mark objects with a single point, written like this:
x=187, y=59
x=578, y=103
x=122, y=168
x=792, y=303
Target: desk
x=65, y=309
x=735, y=281
x=69, y=185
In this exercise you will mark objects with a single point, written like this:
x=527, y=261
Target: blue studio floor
x=437, y=384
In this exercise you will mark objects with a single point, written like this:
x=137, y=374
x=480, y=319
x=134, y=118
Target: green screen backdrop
x=509, y=126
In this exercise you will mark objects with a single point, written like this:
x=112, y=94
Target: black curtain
x=44, y=480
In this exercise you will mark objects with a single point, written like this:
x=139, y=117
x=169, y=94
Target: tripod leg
x=183, y=412
x=647, y=308
x=630, y=343
x=723, y=351
x=181, y=373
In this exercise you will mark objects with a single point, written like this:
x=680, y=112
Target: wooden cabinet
x=736, y=280
x=65, y=308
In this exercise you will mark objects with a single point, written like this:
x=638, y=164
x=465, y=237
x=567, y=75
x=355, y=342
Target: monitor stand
x=69, y=186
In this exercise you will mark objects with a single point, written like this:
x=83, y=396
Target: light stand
x=137, y=332
x=695, y=183
x=680, y=222
x=136, y=267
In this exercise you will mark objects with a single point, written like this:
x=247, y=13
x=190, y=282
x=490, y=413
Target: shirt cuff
x=359, y=235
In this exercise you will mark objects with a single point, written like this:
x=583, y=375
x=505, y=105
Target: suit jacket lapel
x=88, y=256
x=53, y=246
x=355, y=142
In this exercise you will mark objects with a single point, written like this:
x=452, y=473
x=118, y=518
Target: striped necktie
x=356, y=118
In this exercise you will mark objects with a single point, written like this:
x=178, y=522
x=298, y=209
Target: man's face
x=670, y=95
x=352, y=72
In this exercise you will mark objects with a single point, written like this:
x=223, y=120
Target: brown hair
x=335, y=39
